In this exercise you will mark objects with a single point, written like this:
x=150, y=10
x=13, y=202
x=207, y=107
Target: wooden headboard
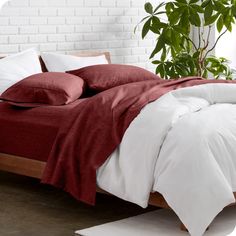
x=78, y=54
x=93, y=54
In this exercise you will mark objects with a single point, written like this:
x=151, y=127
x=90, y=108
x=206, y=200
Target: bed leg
x=183, y=228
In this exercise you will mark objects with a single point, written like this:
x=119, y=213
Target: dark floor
x=28, y=208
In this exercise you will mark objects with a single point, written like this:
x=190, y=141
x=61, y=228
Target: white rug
x=161, y=223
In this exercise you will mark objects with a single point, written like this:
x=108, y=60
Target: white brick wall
x=67, y=26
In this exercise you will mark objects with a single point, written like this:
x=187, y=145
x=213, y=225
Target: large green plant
x=173, y=22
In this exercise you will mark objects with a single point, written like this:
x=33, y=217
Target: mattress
x=34, y=129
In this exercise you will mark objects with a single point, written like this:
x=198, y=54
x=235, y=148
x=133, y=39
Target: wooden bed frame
x=33, y=168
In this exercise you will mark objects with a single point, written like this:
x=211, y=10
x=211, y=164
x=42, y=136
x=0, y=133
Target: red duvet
x=95, y=128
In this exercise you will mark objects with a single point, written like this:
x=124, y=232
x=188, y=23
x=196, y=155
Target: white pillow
x=18, y=66
x=62, y=63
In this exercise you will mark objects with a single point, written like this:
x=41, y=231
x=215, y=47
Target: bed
x=34, y=168
x=24, y=165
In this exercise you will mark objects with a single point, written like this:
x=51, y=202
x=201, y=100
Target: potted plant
x=179, y=54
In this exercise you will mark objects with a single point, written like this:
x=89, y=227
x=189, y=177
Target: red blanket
x=95, y=128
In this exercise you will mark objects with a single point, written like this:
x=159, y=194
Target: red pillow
x=103, y=77
x=50, y=88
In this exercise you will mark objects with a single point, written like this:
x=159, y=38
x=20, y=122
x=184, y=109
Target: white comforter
x=183, y=145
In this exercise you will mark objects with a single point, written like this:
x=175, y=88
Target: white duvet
x=183, y=145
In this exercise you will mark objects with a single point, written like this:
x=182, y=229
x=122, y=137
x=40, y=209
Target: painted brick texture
x=67, y=26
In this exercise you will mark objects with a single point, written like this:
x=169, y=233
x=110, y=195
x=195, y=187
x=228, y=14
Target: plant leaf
x=160, y=44
x=198, y=8
x=211, y=19
x=148, y=8
x=182, y=1
x=193, y=1
x=205, y=3
x=220, y=23
x=227, y=21
x=208, y=11
x=146, y=28
x=194, y=18
x=140, y=23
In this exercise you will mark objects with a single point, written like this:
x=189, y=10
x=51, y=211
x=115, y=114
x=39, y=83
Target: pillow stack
x=22, y=82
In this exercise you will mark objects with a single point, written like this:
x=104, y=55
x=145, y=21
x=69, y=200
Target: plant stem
x=190, y=40
x=219, y=37
x=208, y=37
x=199, y=38
x=203, y=57
x=209, y=32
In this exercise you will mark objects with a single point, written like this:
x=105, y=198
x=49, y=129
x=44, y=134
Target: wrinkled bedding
x=93, y=130
x=183, y=146
x=165, y=136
